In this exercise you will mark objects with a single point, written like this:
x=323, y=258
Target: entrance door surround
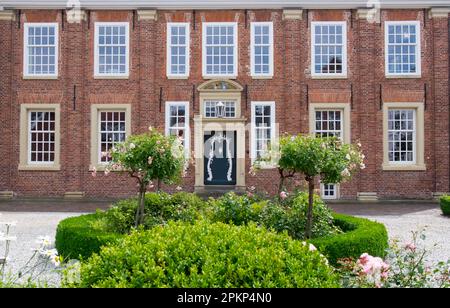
x=223, y=91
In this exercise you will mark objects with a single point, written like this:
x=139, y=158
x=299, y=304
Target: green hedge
x=360, y=236
x=77, y=237
x=445, y=205
x=205, y=255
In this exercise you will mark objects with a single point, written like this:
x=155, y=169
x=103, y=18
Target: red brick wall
x=289, y=89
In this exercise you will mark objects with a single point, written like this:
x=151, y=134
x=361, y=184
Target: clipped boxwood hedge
x=205, y=255
x=77, y=237
x=360, y=236
x=445, y=205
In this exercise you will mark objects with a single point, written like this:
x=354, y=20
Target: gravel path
x=29, y=227
x=401, y=220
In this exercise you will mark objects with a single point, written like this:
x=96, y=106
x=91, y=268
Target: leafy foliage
x=291, y=216
x=159, y=209
x=312, y=157
x=445, y=205
x=149, y=157
x=206, y=255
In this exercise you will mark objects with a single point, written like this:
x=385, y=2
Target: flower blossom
x=150, y=160
x=411, y=246
x=283, y=195
x=132, y=145
x=94, y=172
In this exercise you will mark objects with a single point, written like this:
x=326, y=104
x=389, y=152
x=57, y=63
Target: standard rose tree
x=326, y=159
x=150, y=157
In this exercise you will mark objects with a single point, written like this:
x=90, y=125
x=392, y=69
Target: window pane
x=42, y=136
x=112, y=131
x=112, y=49
x=263, y=127
x=261, y=49
x=328, y=49
x=402, y=49
x=220, y=51
x=178, y=46
x=41, y=49
x=329, y=123
x=401, y=135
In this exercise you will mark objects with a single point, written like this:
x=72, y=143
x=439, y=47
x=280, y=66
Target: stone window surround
x=95, y=110
x=419, y=164
x=24, y=164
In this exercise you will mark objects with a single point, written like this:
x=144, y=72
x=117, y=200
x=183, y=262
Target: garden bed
x=79, y=237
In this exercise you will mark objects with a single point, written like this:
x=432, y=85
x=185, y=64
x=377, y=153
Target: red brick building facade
x=364, y=91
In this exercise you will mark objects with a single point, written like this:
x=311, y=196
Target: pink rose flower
x=283, y=195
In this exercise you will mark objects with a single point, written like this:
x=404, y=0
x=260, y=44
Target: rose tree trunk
x=309, y=219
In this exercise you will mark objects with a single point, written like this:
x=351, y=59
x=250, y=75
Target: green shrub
x=79, y=237
x=206, y=255
x=360, y=236
x=291, y=216
x=234, y=209
x=159, y=209
x=445, y=205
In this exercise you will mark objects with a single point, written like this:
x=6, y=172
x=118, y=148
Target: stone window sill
x=391, y=167
x=55, y=167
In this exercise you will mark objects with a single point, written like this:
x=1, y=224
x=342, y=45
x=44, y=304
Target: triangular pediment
x=220, y=86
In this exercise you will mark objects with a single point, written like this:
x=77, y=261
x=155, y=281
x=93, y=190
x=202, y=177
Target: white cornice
x=370, y=15
x=221, y=4
x=7, y=15
x=147, y=15
x=292, y=14
x=439, y=12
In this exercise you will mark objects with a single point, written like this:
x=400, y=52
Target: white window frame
x=414, y=141
x=418, y=72
x=271, y=50
x=336, y=192
x=236, y=55
x=187, y=130
x=29, y=132
x=344, y=50
x=97, y=74
x=26, y=72
x=253, y=128
x=99, y=132
x=186, y=25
